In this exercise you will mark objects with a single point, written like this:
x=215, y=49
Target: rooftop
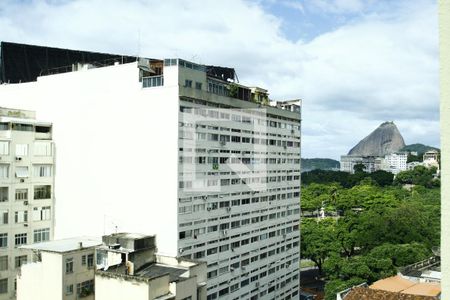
x=362, y=293
x=157, y=270
x=392, y=284
x=398, y=284
x=65, y=245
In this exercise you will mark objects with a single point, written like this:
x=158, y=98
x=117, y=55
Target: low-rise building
x=371, y=163
x=62, y=269
x=129, y=268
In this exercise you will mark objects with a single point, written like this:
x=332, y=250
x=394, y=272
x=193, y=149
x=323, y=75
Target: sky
x=354, y=64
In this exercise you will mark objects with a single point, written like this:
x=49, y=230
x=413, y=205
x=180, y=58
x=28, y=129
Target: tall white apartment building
x=26, y=190
x=395, y=162
x=183, y=151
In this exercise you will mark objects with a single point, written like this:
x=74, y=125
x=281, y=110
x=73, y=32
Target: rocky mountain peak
x=384, y=140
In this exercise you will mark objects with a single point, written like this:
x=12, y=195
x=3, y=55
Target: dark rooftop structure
x=24, y=63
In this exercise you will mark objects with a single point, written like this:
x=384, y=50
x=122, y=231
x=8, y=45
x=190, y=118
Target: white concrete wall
x=186, y=288
x=42, y=281
x=116, y=150
x=111, y=289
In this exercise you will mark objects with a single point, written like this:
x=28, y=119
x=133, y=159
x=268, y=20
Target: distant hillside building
x=378, y=151
x=371, y=163
x=395, y=162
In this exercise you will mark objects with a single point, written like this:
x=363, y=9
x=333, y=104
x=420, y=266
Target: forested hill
x=309, y=164
x=419, y=148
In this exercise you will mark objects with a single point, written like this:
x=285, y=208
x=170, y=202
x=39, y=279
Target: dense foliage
x=371, y=227
x=345, y=179
x=319, y=163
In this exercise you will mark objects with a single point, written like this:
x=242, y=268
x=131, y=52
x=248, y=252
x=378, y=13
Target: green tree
x=419, y=176
x=317, y=240
x=383, y=178
x=401, y=254
x=359, y=168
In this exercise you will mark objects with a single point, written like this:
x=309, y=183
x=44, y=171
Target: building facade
x=26, y=190
x=239, y=190
x=215, y=166
x=371, y=163
x=395, y=162
x=130, y=268
x=60, y=269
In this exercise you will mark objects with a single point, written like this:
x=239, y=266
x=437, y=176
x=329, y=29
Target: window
x=83, y=260
x=41, y=235
x=20, y=260
x=4, y=263
x=4, y=217
x=69, y=289
x=42, y=192
x=4, y=171
x=90, y=260
x=85, y=288
x=4, y=148
x=43, y=129
x=3, y=240
x=3, y=286
x=188, y=83
x=20, y=239
x=22, y=172
x=42, y=170
x=21, y=194
x=69, y=265
x=41, y=213
x=198, y=85
x=42, y=148
x=21, y=149
x=21, y=216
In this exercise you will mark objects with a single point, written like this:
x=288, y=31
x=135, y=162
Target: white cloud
x=381, y=66
x=340, y=6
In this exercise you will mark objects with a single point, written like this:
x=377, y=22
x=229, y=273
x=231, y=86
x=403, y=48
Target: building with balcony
x=26, y=190
x=60, y=269
x=208, y=164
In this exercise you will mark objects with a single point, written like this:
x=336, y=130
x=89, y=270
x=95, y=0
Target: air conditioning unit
x=208, y=208
x=205, y=197
x=25, y=224
x=223, y=143
x=284, y=146
x=22, y=180
x=228, y=209
x=284, y=236
x=243, y=268
x=25, y=202
x=257, y=284
x=224, y=232
x=180, y=250
x=292, y=131
x=231, y=269
x=18, y=158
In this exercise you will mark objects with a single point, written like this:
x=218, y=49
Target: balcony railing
x=152, y=81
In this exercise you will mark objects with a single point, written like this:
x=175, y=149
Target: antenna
x=139, y=43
